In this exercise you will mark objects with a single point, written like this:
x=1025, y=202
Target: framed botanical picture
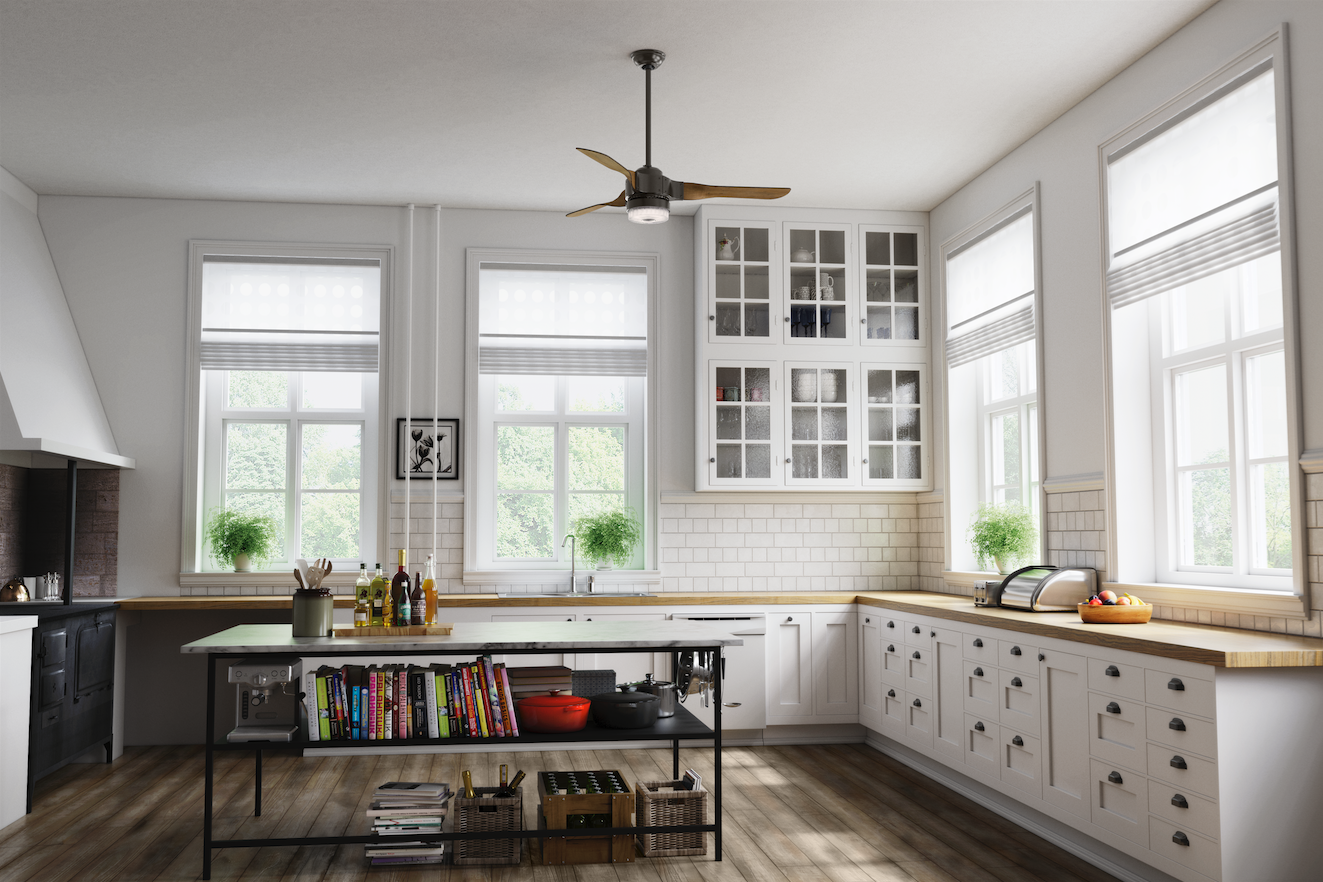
x=422, y=451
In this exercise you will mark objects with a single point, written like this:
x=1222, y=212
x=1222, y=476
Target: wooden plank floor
x=838, y=813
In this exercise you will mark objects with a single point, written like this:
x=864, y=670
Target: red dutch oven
x=553, y=713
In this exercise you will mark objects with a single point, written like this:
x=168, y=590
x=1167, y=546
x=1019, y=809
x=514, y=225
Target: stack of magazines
x=402, y=811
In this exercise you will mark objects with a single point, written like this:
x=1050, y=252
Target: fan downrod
x=648, y=59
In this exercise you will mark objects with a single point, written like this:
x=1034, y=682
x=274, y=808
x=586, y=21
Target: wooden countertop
x=1201, y=644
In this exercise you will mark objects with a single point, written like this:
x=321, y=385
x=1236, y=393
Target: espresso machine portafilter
x=266, y=701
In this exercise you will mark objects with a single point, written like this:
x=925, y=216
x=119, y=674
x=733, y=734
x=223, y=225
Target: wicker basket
x=586, y=684
x=659, y=804
x=487, y=814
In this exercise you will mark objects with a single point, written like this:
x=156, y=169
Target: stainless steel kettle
x=662, y=689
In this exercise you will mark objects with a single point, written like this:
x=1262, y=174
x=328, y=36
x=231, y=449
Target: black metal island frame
x=470, y=639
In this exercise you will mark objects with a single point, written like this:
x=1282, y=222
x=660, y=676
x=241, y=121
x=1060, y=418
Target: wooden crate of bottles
x=582, y=801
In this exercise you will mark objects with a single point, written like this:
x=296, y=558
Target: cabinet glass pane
x=907, y=323
x=907, y=387
x=804, y=423
x=879, y=387
x=728, y=319
x=727, y=376
x=803, y=284
x=880, y=463
x=879, y=286
x=732, y=233
x=879, y=322
x=906, y=249
x=804, y=460
x=833, y=424
x=833, y=321
x=755, y=244
x=803, y=321
x=729, y=423
x=756, y=282
x=832, y=243
x=907, y=286
x=756, y=320
x=907, y=424
x=879, y=424
x=728, y=461
x=758, y=461
x=803, y=248
x=758, y=384
x=877, y=249
x=728, y=282
x=833, y=385
x=907, y=463
x=758, y=423
x=803, y=384
x=835, y=461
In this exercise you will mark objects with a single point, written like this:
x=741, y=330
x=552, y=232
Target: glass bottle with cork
x=377, y=592
x=362, y=598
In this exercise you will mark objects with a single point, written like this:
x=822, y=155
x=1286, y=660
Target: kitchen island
x=466, y=639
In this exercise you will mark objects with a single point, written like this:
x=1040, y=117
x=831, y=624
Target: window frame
x=974, y=449
x=1248, y=599
x=192, y=555
x=483, y=570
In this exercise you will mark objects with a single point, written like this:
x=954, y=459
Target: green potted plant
x=240, y=540
x=608, y=537
x=1003, y=534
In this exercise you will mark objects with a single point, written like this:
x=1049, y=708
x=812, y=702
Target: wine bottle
x=508, y=790
x=378, y=592
x=469, y=792
x=416, y=602
x=362, y=603
x=399, y=596
x=505, y=774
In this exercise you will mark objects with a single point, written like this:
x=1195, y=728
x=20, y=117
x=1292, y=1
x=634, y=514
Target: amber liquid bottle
x=399, y=596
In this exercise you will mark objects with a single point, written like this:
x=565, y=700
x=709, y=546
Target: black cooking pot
x=626, y=710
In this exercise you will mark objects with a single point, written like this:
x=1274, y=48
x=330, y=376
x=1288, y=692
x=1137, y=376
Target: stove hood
x=50, y=410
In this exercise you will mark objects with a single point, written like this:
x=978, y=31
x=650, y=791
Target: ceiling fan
x=648, y=193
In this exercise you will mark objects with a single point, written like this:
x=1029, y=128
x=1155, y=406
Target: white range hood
x=49, y=404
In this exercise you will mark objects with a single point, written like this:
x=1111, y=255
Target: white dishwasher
x=743, y=670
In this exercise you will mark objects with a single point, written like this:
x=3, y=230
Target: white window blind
x=989, y=291
x=560, y=320
x=286, y=314
x=1198, y=195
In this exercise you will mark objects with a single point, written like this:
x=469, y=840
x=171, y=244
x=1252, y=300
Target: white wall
x=1064, y=157
x=124, y=267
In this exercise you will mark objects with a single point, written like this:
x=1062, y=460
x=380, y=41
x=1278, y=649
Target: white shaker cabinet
x=812, y=667
x=870, y=668
x=835, y=667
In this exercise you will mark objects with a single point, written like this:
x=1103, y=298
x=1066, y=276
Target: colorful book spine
x=459, y=720
x=402, y=715
x=466, y=686
x=429, y=686
x=310, y=705
x=380, y=722
x=355, y=713
x=370, y=690
x=323, y=707
x=503, y=694
x=475, y=693
x=493, y=699
x=388, y=717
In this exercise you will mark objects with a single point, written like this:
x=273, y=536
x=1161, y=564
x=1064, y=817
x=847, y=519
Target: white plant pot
x=241, y=563
x=605, y=565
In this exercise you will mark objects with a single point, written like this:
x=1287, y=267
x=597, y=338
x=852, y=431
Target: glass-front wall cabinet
x=814, y=342
x=741, y=278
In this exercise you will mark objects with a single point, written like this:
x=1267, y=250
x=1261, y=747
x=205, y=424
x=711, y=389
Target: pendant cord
x=647, y=104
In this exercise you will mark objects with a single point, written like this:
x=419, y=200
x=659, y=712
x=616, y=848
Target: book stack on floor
x=541, y=680
x=390, y=702
x=401, y=811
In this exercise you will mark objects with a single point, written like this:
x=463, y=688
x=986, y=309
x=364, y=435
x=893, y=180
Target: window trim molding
x=988, y=224
x=474, y=258
x=1295, y=604
x=190, y=546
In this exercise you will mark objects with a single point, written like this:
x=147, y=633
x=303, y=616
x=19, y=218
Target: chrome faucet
x=574, y=588
x=590, y=584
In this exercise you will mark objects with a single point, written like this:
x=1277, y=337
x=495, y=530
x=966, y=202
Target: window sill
x=283, y=579
x=1276, y=604
x=967, y=580
x=551, y=577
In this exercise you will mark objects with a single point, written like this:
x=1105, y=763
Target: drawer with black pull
x=1021, y=762
x=1116, y=678
x=919, y=634
x=1119, y=801
x=893, y=661
x=1186, y=809
x=894, y=716
x=1017, y=701
x=1017, y=656
x=981, y=686
x=1184, y=771
x=1185, y=847
x=983, y=745
x=980, y=648
x=919, y=669
x=1181, y=692
x=1184, y=732
x=1116, y=730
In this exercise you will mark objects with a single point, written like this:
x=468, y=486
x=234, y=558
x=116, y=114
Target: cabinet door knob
x=864, y=460
x=1115, y=778
x=863, y=321
x=916, y=655
x=1176, y=724
x=1178, y=762
x=979, y=727
x=787, y=460
x=1112, y=671
x=1175, y=684
x=1015, y=681
x=790, y=618
x=978, y=643
x=1015, y=650
x=891, y=647
x=932, y=633
x=867, y=620
x=891, y=693
x=712, y=318
x=1180, y=839
x=978, y=672
x=712, y=459
x=918, y=703
x=1113, y=707
x=1180, y=801
x=1017, y=741
x=787, y=318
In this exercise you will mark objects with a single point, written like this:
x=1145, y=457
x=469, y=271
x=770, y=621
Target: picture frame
x=420, y=450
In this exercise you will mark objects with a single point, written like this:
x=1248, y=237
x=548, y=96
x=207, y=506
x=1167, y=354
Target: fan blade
x=618, y=202
x=608, y=162
x=705, y=191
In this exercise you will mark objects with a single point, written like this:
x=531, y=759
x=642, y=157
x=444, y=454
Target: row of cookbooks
x=400, y=812
x=385, y=702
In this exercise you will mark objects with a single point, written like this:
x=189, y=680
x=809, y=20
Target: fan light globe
x=649, y=214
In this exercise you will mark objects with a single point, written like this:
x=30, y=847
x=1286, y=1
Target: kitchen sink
x=594, y=594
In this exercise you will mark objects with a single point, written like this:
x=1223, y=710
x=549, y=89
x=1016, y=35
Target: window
x=1202, y=447
x=560, y=406
x=287, y=405
x=990, y=285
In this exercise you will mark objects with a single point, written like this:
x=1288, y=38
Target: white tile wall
x=1077, y=530
x=932, y=544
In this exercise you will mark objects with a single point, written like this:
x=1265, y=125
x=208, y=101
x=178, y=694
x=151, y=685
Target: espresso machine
x=266, y=700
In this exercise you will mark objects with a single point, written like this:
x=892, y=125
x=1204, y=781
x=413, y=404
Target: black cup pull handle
x=1115, y=778
x=915, y=630
x=979, y=727
x=1015, y=650
x=1180, y=839
x=1180, y=801
x=1175, y=684
x=891, y=624
x=891, y=647
x=867, y=620
x=1177, y=724
x=978, y=672
x=891, y=693
x=918, y=703
x=1113, y=707
x=1178, y=762
x=1112, y=671
x=1017, y=741
x=916, y=655
x=1015, y=681
x=978, y=643
x=932, y=633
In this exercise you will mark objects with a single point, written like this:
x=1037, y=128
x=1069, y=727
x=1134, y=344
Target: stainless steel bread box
x=1049, y=589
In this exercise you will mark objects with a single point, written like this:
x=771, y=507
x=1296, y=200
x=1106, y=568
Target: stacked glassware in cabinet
x=745, y=419
x=741, y=280
x=820, y=399
x=818, y=284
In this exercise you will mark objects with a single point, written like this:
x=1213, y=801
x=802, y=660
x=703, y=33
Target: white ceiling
x=480, y=103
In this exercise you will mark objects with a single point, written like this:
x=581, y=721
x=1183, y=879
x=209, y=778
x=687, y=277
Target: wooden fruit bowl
x=1116, y=615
